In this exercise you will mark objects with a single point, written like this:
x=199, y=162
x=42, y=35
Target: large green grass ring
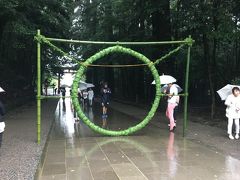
x=81, y=72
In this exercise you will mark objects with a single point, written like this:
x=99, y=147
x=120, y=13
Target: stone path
x=75, y=152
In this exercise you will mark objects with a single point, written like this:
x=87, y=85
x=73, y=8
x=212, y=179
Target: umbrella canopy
x=166, y=86
x=1, y=90
x=83, y=85
x=226, y=91
x=64, y=86
x=82, y=82
x=166, y=79
x=90, y=85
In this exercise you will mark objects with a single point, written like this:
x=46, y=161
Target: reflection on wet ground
x=115, y=120
x=76, y=152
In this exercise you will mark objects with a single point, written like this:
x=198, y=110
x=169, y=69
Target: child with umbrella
x=2, y=123
x=233, y=112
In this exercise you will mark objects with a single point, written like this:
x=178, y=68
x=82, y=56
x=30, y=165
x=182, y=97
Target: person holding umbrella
x=173, y=101
x=233, y=112
x=90, y=96
x=2, y=123
x=165, y=89
x=63, y=93
x=85, y=97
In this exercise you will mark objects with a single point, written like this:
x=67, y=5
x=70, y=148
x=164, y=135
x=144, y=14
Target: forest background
x=213, y=24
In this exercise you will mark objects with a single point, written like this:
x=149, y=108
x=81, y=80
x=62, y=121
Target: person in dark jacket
x=105, y=99
x=2, y=124
x=63, y=93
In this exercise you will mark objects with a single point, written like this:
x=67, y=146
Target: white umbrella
x=64, y=86
x=82, y=82
x=1, y=90
x=83, y=87
x=177, y=86
x=226, y=91
x=90, y=85
x=166, y=79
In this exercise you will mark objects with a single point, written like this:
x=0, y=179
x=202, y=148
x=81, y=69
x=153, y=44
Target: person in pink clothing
x=173, y=100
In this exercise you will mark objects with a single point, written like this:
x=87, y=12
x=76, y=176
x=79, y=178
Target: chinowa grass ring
x=80, y=73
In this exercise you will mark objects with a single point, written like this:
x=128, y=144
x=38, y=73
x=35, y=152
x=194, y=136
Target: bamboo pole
x=38, y=90
x=54, y=97
x=188, y=41
x=186, y=91
x=116, y=43
x=59, y=97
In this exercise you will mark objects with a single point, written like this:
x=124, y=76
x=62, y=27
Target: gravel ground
x=20, y=154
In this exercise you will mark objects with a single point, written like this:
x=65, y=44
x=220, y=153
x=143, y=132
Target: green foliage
x=236, y=81
x=133, y=20
x=214, y=24
x=19, y=21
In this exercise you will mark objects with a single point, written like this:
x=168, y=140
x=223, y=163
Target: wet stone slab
x=78, y=153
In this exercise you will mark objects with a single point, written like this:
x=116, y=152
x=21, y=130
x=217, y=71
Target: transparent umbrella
x=65, y=86
x=1, y=90
x=226, y=91
x=166, y=79
x=83, y=85
x=90, y=85
x=166, y=86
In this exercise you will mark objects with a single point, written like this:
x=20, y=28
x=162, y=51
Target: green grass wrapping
x=80, y=73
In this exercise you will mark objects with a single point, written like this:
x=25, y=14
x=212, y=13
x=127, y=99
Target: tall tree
x=18, y=25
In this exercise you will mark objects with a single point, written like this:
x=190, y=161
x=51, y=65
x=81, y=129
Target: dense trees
x=215, y=27
x=115, y=21
x=18, y=23
x=214, y=24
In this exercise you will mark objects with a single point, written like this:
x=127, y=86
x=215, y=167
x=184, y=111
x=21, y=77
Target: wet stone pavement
x=75, y=152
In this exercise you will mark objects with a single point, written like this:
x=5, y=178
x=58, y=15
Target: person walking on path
x=85, y=96
x=55, y=91
x=173, y=100
x=63, y=93
x=75, y=116
x=167, y=91
x=2, y=123
x=90, y=96
x=105, y=98
x=233, y=112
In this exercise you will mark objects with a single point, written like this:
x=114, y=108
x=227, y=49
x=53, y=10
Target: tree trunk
x=161, y=31
x=211, y=69
x=161, y=26
x=210, y=73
